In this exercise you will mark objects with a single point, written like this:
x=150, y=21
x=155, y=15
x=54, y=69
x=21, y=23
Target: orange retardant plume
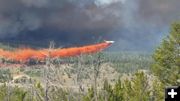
x=24, y=55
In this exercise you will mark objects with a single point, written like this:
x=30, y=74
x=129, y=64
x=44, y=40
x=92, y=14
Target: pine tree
x=167, y=58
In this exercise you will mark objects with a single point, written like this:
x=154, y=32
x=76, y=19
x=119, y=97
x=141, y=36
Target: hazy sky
x=133, y=24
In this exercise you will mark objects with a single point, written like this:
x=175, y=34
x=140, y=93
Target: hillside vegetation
x=105, y=76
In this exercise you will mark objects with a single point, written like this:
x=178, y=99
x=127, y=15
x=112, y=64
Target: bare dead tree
x=97, y=61
x=79, y=73
x=46, y=71
x=8, y=89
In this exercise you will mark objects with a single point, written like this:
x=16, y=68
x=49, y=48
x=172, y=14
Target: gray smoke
x=133, y=24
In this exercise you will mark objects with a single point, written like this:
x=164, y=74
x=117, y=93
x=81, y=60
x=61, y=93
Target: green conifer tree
x=167, y=58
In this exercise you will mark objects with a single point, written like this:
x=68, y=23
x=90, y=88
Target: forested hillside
x=104, y=76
